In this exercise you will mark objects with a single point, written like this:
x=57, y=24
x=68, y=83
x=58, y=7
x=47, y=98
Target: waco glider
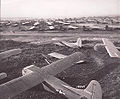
x=107, y=47
x=33, y=76
x=6, y=54
x=78, y=44
x=111, y=48
x=9, y=53
x=61, y=42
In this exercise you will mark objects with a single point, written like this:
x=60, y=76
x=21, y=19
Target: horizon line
x=62, y=17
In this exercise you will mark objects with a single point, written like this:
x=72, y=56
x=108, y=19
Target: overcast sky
x=59, y=8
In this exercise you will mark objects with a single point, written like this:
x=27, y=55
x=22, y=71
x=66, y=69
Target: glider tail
x=94, y=89
x=79, y=42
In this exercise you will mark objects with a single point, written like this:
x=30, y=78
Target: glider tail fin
x=94, y=89
x=79, y=42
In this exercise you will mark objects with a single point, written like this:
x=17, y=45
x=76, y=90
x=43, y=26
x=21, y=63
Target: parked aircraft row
x=100, y=47
x=99, y=23
x=33, y=75
x=107, y=45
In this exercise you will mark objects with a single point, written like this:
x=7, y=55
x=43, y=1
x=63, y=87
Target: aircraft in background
x=112, y=27
x=9, y=53
x=107, y=47
x=77, y=44
x=111, y=49
x=94, y=27
x=33, y=76
x=61, y=42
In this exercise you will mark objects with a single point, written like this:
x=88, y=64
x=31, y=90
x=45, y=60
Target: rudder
x=94, y=89
x=79, y=42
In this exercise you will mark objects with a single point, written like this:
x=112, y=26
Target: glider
x=33, y=76
x=9, y=53
x=111, y=49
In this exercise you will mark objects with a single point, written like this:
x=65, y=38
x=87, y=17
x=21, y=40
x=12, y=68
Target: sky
x=59, y=8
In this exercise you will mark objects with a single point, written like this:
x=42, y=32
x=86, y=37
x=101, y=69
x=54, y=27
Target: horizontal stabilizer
x=57, y=55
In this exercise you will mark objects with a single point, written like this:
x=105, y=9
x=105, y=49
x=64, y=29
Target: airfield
x=98, y=66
